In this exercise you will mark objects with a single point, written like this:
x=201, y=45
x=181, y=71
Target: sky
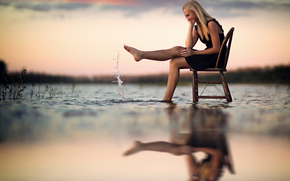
x=86, y=37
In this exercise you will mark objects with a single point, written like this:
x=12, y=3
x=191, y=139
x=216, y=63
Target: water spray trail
x=118, y=79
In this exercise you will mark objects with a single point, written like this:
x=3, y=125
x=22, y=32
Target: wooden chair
x=226, y=46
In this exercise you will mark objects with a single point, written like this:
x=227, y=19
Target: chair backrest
x=226, y=46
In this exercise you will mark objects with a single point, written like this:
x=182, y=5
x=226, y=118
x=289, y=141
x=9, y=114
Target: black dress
x=203, y=61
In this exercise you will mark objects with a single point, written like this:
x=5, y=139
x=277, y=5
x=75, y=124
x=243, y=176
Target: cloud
x=110, y=2
x=44, y=6
x=133, y=7
x=220, y=8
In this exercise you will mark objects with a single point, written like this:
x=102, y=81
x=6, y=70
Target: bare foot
x=136, y=53
x=134, y=149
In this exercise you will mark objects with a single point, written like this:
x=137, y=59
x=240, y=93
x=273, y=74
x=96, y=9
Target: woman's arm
x=185, y=149
x=192, y=37
x=214, y=33
x=214, y=161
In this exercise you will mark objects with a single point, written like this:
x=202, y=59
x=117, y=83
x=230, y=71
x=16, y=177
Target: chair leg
x=194, y=86
x=226, y=87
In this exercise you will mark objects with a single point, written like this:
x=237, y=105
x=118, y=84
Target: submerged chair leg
x=194, y=86
x=226, y=87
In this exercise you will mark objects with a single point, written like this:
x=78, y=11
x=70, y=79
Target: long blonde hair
x=204, y=171
x=201, y=14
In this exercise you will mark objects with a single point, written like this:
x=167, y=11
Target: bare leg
x=174, y=72
x=159, y=55
x=154, y=146
x=178, y=62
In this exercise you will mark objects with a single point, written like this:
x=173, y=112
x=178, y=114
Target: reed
x=61, y=83
x=39, y=86
x=13, y=87
x=31, y=94
x=49, y=89
x=5, y=85
x=20, y=87
x=73, y=88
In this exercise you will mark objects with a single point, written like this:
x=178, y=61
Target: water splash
x=118, y=79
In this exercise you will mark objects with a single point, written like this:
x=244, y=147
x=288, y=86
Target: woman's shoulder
x=213, y=23
x=212, y=19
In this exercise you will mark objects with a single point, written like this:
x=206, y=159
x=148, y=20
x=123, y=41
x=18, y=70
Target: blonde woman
x=201, y=26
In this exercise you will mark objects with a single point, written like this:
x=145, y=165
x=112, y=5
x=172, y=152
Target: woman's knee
x=176, y=51
x=178, y=63
x=175, y=151
x=175, y=63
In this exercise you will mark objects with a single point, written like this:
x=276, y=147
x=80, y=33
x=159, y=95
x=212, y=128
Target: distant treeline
x=276, y=74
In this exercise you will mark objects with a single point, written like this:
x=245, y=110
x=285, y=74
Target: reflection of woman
x=195, y=130
x=208, y=169
x=207, y=29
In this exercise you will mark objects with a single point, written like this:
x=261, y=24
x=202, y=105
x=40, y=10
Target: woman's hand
x=187, y=52
x=191, y=24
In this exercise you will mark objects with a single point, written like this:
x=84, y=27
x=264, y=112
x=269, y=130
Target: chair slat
x=210, y=69
x=208, y=82
x=212, y=97
x=227, y=40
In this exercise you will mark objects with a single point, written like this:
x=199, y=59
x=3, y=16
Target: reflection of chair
x=225, y=48
x=208, y=130
x=223, y=145
x=213, y=136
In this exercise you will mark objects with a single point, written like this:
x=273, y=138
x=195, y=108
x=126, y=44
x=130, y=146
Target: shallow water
x=81, y=134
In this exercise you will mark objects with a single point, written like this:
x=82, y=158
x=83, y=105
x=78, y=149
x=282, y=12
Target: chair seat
x=211, y=69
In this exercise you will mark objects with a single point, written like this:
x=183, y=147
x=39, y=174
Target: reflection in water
x=82, y=137
x=192, y=131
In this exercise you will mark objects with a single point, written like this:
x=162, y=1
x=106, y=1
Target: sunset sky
x=84, y=37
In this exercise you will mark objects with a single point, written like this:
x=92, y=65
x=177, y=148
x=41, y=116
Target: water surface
x=81, y=134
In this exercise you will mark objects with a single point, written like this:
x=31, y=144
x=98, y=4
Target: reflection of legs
x=175, y=65
x=159, y=55
x=191, y=166
x=159, y=146
x=172, y=148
